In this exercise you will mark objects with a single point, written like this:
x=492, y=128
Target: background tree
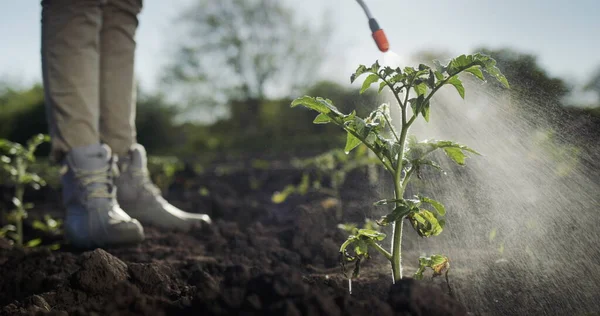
x=236, y=52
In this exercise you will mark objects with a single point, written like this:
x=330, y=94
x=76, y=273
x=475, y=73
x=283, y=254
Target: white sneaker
x=141, y=199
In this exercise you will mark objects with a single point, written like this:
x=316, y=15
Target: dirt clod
x=100, y=272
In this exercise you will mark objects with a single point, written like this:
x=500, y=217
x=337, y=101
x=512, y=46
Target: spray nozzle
x=378, y=34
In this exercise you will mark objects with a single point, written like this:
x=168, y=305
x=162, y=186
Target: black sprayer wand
x=378, y=34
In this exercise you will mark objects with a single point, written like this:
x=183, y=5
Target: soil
x=257, y=258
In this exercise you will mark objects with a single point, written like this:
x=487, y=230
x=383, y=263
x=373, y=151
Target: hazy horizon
x=563, y=34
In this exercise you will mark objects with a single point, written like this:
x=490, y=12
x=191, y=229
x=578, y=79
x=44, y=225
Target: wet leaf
x=372, y=78
x=458, y=85
x=381, y=86
x=361, y=248
x=420, y=89
x=359, y=71
x=437, y=263
x=425, y=223
x=322, y=119
x=476, y=71
x=318, y=104
x=439, y=207
x=397, y=214
x=371, y=234
x=351, y=142
x=456, y=155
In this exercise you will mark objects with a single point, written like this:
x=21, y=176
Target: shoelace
x=99, y=176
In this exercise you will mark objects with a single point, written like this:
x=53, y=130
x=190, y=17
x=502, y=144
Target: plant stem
x=384, y=252
x=399, y=195
x=407, y=178
x=387, y=165
x=19, y=193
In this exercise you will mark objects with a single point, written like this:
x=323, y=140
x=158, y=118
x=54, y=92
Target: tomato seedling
x=326, y=173
x=400, y=154
x=14, y=163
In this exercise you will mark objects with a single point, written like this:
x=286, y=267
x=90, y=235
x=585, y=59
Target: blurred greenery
x=174, y=143
x=285, y=132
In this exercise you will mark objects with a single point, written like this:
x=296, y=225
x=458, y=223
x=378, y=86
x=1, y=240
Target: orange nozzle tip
x=381, y=40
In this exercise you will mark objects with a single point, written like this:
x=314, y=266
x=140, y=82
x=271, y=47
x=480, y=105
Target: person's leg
x=70, y=72
x=138, y=196
x=117, y=74
x=70, y=57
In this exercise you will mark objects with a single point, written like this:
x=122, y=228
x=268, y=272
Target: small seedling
x=14, y=163
x=402, y=156
x=334, y=166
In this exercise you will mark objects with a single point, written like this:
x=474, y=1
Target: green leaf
x=39, y=225
x=375, y=67
x=318, y=104
x=475, y=70
x=419, y=274
x=372, y=78
x=425, y=111
x=431, y=79
x=359, y=71
x=427, y=162
x=311, y=103
x=371, y=234
x=417, y=151
x=361, y=247
x=381, y=86
x=420, y=88
x=458, y=63
x=425, y=223
x=33, y=243
x=456, y=155
x=439, y=75
x=439, y=207
x=489, y=65
x=397, y=214
x=458, y=85
x=322, y=119
x=351, y=142
x=465, y=62
x=280, y=197
x=437, y=263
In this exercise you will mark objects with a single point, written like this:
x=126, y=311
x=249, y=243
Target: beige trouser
x=88, y=70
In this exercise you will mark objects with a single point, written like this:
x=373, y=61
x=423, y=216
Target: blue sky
x=564, y=34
